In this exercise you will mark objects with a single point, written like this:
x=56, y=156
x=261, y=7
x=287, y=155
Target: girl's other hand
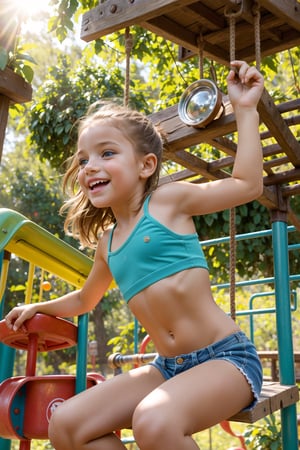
x=18, y=315
x=245, y=85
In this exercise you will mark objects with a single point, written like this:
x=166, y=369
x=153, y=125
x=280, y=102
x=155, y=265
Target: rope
x=231, y=14
x=200, y=43
x=256, y=15
x=128, y=47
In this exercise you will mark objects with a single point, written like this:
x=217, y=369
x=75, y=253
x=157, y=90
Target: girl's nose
x=93, y=165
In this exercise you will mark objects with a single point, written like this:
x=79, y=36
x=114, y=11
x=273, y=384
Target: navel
x=171, y=334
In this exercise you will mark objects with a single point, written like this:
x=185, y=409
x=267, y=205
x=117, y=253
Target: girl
x=207, y=370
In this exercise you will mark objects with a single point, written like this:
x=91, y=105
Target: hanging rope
x=256, y=16
x=128, y=48
x=200, y=43
x=232, y=14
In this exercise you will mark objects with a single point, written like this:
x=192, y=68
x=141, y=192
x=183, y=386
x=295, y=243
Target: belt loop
x=194, y=358
x=211, y=351
x=239, y=336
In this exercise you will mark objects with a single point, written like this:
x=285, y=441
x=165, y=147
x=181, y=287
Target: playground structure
x=180, y=22
x=24, y=416
x=28, y=401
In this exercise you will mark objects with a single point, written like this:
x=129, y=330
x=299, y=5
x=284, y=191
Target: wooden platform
x=180, y=22
x=273, y=397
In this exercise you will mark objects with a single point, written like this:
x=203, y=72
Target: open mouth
x=99, y=183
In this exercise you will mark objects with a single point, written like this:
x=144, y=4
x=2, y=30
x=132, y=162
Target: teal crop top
x=152, y=252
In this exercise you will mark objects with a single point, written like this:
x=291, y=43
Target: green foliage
x=32, y=189
x=62, y=21
x=64, y=98
x=253, y=255
x=265, y=436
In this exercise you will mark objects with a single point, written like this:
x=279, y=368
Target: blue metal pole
x=82, y=353
x=284, y=326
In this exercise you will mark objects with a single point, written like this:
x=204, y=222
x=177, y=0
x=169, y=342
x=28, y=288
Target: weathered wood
x=278, y=128
x=283, y=177
x=274, y=396
x=290, y=9
x=14, y=86
x=181, y=136
x=4, y=106
x=114, y=15
x=180, y=22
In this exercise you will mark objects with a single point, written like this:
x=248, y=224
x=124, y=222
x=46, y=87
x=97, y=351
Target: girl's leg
x=191, y=401
x=87, y=421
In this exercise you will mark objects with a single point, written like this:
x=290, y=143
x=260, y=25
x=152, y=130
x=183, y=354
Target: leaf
x=28, y=73
x=25, y=57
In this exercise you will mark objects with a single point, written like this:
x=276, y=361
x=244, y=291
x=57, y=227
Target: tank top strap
x=110, y=237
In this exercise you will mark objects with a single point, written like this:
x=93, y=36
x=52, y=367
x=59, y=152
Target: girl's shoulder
x=171, y=191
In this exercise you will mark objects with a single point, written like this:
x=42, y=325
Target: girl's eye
x=83, y=162
x=108, y=154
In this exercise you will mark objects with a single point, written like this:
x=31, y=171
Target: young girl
x=207, y=370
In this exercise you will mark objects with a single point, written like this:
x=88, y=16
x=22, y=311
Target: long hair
x=83, y=220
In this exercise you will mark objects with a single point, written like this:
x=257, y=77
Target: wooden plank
x=4, y=106
x=283, y=177
x=274, y=396
x=198, y=165
x=287, y=9
x=278, y=128
x=207, y=16
x=180, y=136
x=14, y=86
x=113, y=15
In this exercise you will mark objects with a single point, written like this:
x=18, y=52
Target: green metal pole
x=284, y=326
x=6, y=362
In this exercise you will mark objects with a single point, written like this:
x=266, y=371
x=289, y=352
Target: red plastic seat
x=28, y=402
x=51, y=333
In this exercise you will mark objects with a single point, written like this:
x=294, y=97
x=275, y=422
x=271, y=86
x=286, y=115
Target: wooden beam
x=198, y=165
x=287, y=9
x=270, y=115
x=181, y=136
x=282, y=177
x=4, y=106
x=14, y=86
x=107, y=17
x=206, y=16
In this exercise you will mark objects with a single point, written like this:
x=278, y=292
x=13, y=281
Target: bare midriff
x=180, y=314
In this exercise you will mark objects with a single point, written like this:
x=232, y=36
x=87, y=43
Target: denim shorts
x=235, y=348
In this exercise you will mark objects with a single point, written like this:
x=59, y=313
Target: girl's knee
x=58, y=429
x=149, y=426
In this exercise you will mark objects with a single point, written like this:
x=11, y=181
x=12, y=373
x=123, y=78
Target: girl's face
x=110, y=169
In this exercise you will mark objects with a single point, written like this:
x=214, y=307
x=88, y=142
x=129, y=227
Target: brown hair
x=83, y=220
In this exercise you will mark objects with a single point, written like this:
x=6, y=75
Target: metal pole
x=289, y=430
x=6, y=358
x=82, y=353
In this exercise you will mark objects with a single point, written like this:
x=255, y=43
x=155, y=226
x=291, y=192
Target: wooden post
x=4, y=105
x=13, y=88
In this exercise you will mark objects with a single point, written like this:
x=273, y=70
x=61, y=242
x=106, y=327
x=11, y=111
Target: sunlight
x=30, y=8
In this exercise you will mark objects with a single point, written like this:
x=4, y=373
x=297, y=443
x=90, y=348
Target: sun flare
x=30, y=8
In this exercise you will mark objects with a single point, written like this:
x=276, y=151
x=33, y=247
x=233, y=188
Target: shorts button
x=179, y=360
